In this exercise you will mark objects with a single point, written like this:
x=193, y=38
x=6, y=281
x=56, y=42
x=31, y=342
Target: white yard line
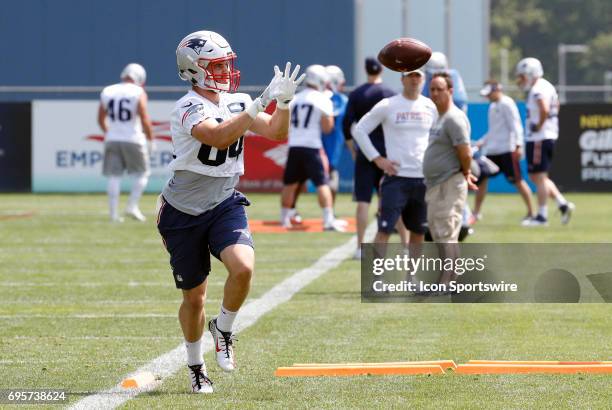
x=21, y=337
x=169, y=363
x=91, y=315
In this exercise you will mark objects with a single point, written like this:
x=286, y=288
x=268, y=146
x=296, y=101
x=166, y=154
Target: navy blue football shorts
x=405, y=197
x=367, y=179
x=508, y=164
x=190, y=240
x=539, y=155
x=303, y=164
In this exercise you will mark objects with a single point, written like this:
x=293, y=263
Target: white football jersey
x=406, y=124
x=542, y=90
x=190, y=154
x=121, y=104
x=307, y=108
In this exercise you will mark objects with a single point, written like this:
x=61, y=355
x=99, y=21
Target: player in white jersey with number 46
x=200, y=211
x=123, y=117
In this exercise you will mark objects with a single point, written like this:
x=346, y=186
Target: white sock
x=285, y=215
x=561, y=200
x=292, y=212
x=113, y=189
x=225, y=320
x=194, y=352
x=543, y=210
x=138, y=186
x=328, y=215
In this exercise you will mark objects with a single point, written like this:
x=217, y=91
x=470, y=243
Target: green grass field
x=84, y=302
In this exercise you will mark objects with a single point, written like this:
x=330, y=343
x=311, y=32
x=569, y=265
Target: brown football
x=404, y=54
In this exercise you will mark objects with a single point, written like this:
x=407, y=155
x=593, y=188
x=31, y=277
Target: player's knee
x=195, y=298
x=242, y=272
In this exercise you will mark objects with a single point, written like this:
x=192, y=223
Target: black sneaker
x=566, y=212
x=538, y=221
x=200, y=383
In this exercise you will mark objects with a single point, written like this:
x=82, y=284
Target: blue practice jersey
x=459, y=93
x=360, y=101
x=333, y=143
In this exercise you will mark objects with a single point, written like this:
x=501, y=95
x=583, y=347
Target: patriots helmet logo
x=197, y=44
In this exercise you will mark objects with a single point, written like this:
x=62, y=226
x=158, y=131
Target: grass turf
x=72, y=287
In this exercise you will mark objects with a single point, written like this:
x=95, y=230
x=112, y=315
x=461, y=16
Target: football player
x=333, y=142
x=200, y=211
x=439, y=63
x=311, y=114
x=123, y=117
x=542, y=130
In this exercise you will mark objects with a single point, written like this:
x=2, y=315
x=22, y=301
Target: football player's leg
x=292, y=180
x=539, y=179
x=191, y=317
x=288, y=203
x=113, y=189
x=137, y=159
x=113, y=167
x=231, y=242
x=138, y=186
x=239, y=260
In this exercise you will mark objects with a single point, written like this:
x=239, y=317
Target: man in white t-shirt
x=200, y=211
x=123, y=117
x=312, y=113
x=406, y=120
x=542, y=131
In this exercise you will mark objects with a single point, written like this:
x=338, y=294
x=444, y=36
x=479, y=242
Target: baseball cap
x=372, y=66
x=490, y=86
x=417, y=71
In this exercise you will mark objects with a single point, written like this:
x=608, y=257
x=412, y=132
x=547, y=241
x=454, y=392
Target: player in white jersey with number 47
x=123, y=117
x=311, y=113
x=200, y=212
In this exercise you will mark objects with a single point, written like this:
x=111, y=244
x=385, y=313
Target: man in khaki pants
x=446, y=167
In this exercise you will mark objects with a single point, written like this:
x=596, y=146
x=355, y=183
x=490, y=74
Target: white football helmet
x=136, y=73
x=198, y=52
x=336, y=77
x=437, y=61
x=532, y=69
x=317, y=77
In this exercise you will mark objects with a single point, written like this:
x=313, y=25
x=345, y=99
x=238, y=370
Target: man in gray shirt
x=446, y=165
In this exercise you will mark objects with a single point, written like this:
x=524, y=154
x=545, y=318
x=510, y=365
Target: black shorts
x=402, y=196
x=303, y=164
x=539, y=155
x=367, y=179
x=191, y=240
x=508, y=164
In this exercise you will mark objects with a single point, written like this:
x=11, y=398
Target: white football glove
x=260, y=103
x=285, y=85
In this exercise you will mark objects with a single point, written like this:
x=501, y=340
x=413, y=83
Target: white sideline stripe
x=167, y=364
x=92, y=316
x=29, y=337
